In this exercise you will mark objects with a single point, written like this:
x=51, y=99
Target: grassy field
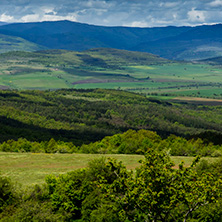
x=109, y=69
x=31, y=168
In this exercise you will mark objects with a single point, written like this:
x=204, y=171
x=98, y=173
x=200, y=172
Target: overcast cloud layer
x=136, y=13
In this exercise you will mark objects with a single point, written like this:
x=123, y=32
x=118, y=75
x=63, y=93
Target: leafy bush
x=210, y=213
x=7, y=192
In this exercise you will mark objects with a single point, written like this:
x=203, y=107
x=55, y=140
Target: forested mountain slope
x=77, y=36
x=189, y=43
x=197, y=43
x=84, y=116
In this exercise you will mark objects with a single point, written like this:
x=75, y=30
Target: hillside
x=189, y=43
x=197, y=43
x=12, y=43
x=215, y=61
x=65, y=69
x=84, y=116
x=76, y=36
x=3, y=23
x=108, y=56
x=109, y=69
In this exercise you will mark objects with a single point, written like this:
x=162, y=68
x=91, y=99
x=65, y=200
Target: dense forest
x=113, y=122
x=84, y=116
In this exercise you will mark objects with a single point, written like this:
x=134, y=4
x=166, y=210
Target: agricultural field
x=32, y=168
x=198, y=101
x=109, y=69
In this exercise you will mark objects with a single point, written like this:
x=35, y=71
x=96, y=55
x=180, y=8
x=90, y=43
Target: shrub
x=7, y=192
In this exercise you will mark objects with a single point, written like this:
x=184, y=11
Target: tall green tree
x=158, y=192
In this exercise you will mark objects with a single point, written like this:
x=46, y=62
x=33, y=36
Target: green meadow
x=109, y=69
x=31, y=168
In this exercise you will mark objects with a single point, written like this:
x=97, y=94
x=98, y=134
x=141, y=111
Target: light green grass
x=28, y=168
x=177, y=71
x=172, y=78
x=136, y=85
x=32, y=81
x=51, y=71
x=209, y=92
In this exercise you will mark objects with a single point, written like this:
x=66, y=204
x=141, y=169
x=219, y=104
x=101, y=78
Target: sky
x=132, y=13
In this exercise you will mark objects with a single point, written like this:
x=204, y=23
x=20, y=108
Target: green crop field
x=109, y=69
x=31, y=168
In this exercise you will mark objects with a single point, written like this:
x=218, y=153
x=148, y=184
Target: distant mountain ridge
x=197, y=43
x=169, y=42
x=76, y=36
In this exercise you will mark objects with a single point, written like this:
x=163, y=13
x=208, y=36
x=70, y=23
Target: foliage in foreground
x=106, y=191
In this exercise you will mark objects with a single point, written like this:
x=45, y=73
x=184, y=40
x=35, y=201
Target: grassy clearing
x=179, y=70
x=146, y=85
x=31, y=168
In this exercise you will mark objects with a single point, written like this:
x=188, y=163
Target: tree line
x=130, y=142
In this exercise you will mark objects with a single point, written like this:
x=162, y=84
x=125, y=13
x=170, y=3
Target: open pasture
x=196, y=100
x=179, y=71
x=102, y=69
x=31, y=168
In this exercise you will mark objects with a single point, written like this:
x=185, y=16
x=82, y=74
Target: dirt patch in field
x=4, y=87
x=197, y=100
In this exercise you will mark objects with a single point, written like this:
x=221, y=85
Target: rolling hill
x=180, y=43
x=84, y=116
x=215, y=61
x=13, y=43
x=48, y=69
x=94, y=57
x=197, y=43
x=109, y=68
x=76, y=36
x=3, y=23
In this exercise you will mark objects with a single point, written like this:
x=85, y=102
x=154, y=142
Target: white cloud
x=30, y=18
x=48, y=10
x=196, y=16
x=138, y=24
x=70, y=17
x=216, y=3
x=169, y=4
x=6, y=18
x=47, y=14
x=141, y=13
x=97, y=4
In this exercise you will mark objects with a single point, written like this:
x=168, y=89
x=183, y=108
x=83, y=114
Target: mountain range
x=178, y=43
